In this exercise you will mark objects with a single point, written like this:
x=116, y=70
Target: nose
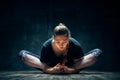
x=61, y=44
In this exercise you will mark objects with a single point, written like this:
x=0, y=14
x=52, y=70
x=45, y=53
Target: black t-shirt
x=48, y=56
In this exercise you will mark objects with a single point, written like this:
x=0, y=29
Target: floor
x=37, y=75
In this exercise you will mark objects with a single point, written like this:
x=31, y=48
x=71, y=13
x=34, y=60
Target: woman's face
x=61, y=42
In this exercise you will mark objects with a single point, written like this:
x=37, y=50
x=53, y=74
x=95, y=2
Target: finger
x=58, y=70
x=58, y=64
x=63, y=64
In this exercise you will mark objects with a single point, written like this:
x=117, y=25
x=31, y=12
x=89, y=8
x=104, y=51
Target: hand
x=55, y=69
x=60, y=69
x=66, y=69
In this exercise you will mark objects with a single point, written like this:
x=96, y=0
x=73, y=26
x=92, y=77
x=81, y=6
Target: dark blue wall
x=27, y=24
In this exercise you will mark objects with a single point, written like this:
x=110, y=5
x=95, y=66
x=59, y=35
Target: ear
x=53, y=36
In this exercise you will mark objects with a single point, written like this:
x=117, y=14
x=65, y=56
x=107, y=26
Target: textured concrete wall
x=26, y=25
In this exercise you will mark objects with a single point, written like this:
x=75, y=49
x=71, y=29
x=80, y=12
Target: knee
x=22, y=53
x=97, y=52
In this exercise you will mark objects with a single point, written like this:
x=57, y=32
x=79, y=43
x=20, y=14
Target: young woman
x=60, y=54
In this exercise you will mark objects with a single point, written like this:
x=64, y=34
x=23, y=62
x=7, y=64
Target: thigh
x=28, y=56
x=23, y=52
x=95, y=52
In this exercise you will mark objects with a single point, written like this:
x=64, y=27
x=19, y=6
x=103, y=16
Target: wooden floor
x=37, y=75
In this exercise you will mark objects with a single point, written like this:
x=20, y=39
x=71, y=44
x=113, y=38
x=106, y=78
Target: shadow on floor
x=38, y=75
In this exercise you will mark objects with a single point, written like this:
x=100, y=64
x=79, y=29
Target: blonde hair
x=61, y=29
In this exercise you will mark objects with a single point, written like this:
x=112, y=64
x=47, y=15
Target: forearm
x=48, y=70
x=72, y=70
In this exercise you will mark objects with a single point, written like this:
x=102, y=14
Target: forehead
x=60, y=37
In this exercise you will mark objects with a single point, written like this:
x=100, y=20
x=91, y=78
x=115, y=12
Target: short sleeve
x=44, y=56
x=78, y=52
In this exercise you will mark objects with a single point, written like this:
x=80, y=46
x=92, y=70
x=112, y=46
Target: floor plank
x=38, y=75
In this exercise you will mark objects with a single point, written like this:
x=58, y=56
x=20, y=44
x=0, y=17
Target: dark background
x=27, y=24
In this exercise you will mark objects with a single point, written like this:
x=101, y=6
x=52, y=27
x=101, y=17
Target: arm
x=55, y=69
x=44, y=59
x=72, y=69
x=69, y=70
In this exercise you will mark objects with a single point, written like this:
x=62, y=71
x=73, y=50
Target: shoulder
x=73, y=41
x=47, y=42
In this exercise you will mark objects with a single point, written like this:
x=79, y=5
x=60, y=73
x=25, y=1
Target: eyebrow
x=60, y=40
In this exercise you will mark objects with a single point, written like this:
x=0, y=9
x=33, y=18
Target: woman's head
x=61, y=29
x=61, y=36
